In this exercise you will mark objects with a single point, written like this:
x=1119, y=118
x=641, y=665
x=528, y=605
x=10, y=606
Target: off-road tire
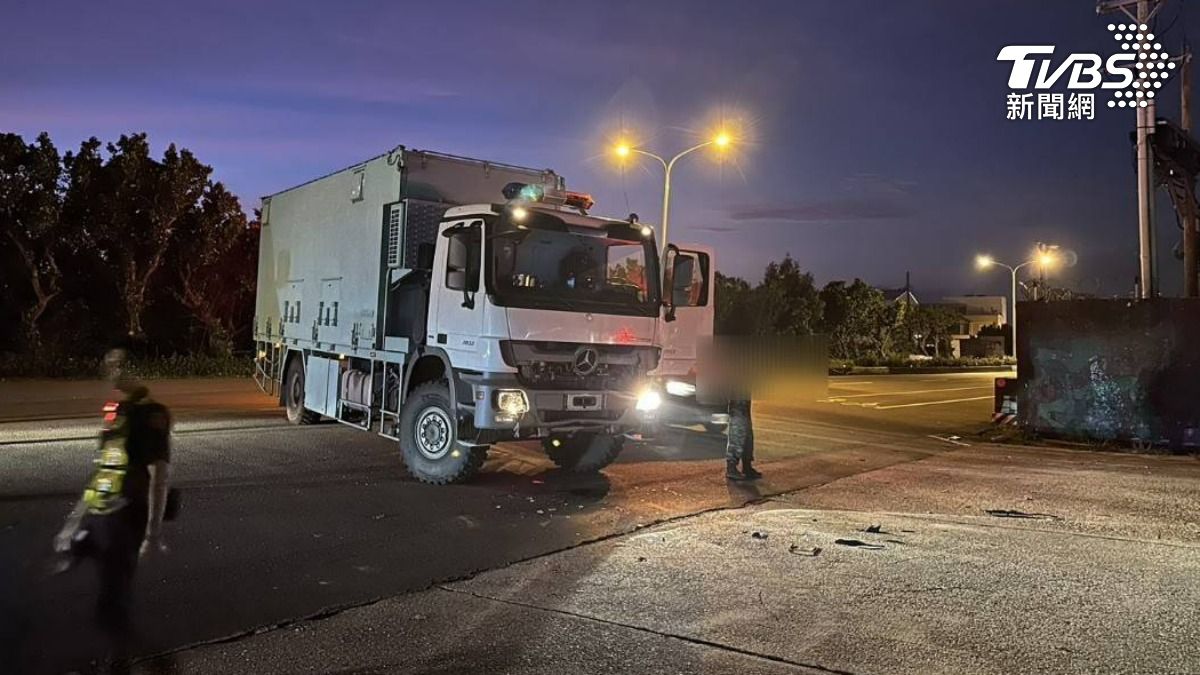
x=584, y=453
x=429, y=438
x=293, y=395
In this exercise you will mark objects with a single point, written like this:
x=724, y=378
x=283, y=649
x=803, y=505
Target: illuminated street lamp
x=721, y=140
x=1045, y=257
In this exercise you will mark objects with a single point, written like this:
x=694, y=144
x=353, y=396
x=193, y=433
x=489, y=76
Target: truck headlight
x=649, y=400
x=512, y=402
x=677, y=388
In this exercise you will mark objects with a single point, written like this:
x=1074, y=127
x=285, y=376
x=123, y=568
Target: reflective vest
x=103, y=494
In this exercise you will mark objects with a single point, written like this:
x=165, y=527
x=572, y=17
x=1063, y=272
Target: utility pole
x=1191, y=284
x=1145, y=11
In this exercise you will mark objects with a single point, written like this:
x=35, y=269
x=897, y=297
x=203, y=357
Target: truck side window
x=463, y=250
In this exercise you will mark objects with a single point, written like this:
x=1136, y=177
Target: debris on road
x=856, y=543
x=758, y=535
x=811, y=552
x=1013, y=513
x=875, y=529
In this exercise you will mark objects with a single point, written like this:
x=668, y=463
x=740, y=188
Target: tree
x=856, y=318
x=134, y=204
x=787, y=300
x=934, y=325
x=31, y=199
x=215, y=257
x=735, y=306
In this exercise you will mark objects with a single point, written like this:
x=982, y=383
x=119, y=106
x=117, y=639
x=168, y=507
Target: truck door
x=457, y=304
x=695, y=312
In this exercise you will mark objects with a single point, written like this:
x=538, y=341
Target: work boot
x=749, y=471
x=731, y=471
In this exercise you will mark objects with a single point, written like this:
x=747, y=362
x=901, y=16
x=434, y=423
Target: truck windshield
x=549, y=264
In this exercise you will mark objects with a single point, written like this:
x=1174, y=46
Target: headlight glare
x=512, y=402
x=649, y=401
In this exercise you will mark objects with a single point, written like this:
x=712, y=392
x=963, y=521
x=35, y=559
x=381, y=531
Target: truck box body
x=329, y=247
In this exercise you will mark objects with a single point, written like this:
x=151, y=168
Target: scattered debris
x=875, y=529
x=810, y=552
x=1013, y=513
x=641, y=558
x=540, y=512
x=378, y=516
x=538, y=481
x=758, y=535
x=856, y=543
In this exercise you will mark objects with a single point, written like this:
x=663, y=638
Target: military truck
x=449, y=303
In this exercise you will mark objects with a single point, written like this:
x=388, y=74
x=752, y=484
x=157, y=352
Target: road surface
x=284, y=525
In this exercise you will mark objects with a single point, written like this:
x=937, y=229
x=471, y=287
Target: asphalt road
x=283, y=523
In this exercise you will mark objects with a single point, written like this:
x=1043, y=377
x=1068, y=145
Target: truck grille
x=551, y=365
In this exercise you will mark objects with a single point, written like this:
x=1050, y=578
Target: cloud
x=861, y=198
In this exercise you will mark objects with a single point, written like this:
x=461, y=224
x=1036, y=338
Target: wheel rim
x=433, y=433
x=296, y=392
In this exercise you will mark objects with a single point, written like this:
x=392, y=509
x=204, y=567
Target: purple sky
x=876, y=138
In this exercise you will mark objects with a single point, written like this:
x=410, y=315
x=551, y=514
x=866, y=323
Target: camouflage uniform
x=740, y=445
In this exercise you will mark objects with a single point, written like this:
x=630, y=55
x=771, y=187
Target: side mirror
x=671, y=257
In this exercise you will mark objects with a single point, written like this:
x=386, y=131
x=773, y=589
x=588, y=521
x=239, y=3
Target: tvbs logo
x=1133, y=76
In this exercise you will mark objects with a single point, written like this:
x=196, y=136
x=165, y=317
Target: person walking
x=119, y=517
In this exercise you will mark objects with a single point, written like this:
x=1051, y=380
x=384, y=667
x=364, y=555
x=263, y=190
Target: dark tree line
x=857, y=319
x=109, y=240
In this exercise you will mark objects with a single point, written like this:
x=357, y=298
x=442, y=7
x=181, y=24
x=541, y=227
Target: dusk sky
x=874, y=138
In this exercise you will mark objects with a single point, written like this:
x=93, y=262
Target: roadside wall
x=1111, y=369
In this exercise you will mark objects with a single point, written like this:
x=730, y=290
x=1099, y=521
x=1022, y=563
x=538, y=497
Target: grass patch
x=173, y=366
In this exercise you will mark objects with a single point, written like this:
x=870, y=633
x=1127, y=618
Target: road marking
x=953, y=400
x=838, y=384
x=908, y=393
x=953, y=439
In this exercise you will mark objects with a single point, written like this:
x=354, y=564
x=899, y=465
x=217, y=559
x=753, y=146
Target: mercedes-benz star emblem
x=586, y=360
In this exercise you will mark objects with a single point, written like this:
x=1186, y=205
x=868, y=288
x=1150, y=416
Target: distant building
x=978, y=312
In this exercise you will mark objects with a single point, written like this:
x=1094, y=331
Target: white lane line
x=838, y=383
x=914, y=391
x=953, y=440
x=953, y=400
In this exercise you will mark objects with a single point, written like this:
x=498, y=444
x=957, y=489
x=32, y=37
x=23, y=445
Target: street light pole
x=721, y=140
x=668, y=167
x=1012, y=315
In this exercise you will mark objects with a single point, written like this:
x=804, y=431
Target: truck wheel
x=583, y=453
x=429, y=438
x=293, y=395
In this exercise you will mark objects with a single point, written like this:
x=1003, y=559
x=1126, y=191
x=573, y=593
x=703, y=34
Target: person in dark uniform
x=739, y=446
x=120, y=516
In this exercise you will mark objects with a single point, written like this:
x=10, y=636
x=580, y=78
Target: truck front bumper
x=563, y=411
